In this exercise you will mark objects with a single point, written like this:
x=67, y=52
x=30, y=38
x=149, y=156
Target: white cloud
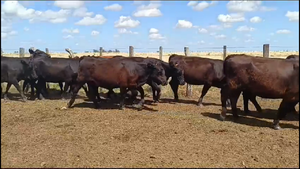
x=82, y=12
x=69, y=4
x=231, y=18
x=97, y=20
x=151, y=10
x=68, y=37
x=5, y=35
x=126, y=22
x=94, y=33
x=201, y=5
x=155, y=35
x=184, y=24
x=255, y=19
x=113, y=7
x=125, y=31
x=247, y=6
x=248, y=35
x=283, y=31
x=26, y=29
x=202, y=30
x=220, y=36
x=215, y=27
x=192, y=3
x=235, y=38
x=293, y=16
x=74, y=31
x=153, y=30
x=245, y=29
x=15, y=9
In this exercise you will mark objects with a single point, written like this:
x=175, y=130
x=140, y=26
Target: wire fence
x=167, y=49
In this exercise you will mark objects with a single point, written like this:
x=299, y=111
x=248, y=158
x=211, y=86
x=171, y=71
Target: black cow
x=55, y=70
x=14, y=70
x=119, y=72
x=264, y=77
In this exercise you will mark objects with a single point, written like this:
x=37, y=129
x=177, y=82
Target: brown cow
x=118, y=72
x=264, y=77
x=198, y=71
x=295, y=57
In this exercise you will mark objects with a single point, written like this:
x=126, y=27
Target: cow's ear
x=150, y=66
x=31, y=51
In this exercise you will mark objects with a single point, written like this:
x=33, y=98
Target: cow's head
x=38, y=54
x=177, y=72
x=157, y=73
x=29, y=70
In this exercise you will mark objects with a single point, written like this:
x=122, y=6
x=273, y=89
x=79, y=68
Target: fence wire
x=164, y=49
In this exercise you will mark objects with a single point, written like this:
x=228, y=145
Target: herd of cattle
x=271, y=78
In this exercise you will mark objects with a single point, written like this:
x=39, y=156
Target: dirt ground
x=167, y=134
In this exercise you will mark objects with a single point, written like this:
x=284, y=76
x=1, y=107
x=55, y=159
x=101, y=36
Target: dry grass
x=39, y=134
x=214, y=55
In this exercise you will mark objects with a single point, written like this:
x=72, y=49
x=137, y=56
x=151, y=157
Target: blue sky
x=146, y=25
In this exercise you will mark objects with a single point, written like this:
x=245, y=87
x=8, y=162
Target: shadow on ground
x=249, y=121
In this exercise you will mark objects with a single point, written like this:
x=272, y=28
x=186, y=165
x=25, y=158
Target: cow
x=247, y=95
x=198, y=71
x=55, y=70
x=264, y=77
x=14, y=70
x=172, y=72
x=119, y=72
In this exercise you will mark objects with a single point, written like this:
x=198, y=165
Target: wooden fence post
x=188, y=86
x=160, y=53
x=100, y=51
x=131, y=51
x=266, y=50
x=224, y=52
x=47, y=50
x=21, y=52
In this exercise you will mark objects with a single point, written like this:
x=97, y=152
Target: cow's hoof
x=121, y=108
x=222, y=118
x=176, y=100
x=277, y=127
x=63, y=98
x=24, y=99
x=200, y=105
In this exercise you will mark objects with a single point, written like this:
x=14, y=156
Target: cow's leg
x=32, y=86
x=61, y=88
x=25, y=86
x=6, y=91
x=246, y=102
x=74, y=93
x=234, y=96
x=156, y=91
x=142, y=101
x=93, y=94
x=123, y=92
x=40, y=86
x=174, y=85
x=254, y=101
x=224, y=98
x=282, y=111
x=64, y=92
x=17, y=86
x=206, y=87
x=110, y=93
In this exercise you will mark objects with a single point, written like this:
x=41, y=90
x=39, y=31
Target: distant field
x=214, y=55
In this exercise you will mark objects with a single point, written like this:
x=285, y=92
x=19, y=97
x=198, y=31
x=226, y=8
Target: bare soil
x=40, y=134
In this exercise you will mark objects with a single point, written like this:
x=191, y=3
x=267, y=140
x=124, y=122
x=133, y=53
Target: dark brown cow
x=118, y=72
x=264, y=77
x=198, y=71
x=247, y=95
